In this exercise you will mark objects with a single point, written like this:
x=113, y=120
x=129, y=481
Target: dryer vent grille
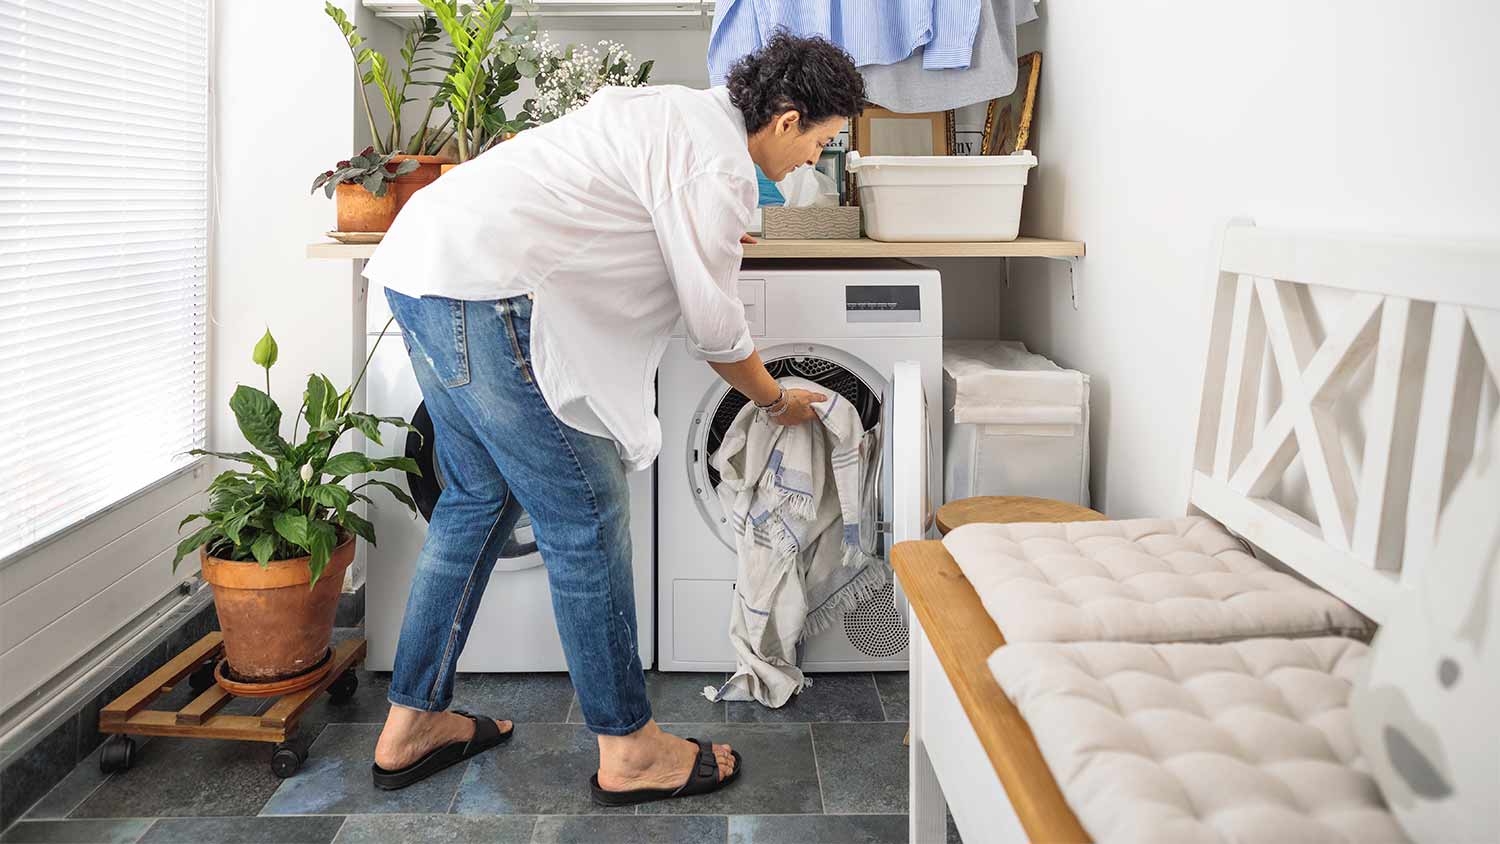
x=874, y=626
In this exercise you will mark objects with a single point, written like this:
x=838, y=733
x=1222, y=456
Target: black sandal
x=486, y=735
x=703, y=780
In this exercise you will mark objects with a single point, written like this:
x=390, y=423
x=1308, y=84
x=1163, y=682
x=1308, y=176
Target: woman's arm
x=750, y=377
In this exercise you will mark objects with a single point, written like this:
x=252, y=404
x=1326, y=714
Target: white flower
x=306, y=472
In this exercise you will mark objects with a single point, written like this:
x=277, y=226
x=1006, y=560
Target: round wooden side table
x=1000, y=509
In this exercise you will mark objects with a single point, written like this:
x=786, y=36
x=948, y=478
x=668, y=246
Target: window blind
x=104, y=221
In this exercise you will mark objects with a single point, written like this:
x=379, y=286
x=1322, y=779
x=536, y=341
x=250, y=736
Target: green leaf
x=367, y=425
x=190, y=517
x=193, y=543
x=405, y=464
x=375, y=183
x=292, y=525
x=358, y=526
x=348, y=463
x=235, y=523
x=332, y=400
x=527, y=67
x=332, y=495
x=314, y=398
x=250, y=457
x=259, y=419
x=265, y=351
x=322, y=538
x=398, y=492
x=263, y=547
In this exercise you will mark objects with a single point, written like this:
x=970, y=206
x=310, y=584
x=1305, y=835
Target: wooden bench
x=1425, y=316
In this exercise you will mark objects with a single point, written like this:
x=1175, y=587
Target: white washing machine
x=514, y=629
x=870, y=330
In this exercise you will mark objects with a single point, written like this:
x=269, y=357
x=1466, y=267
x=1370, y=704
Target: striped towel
x=802, y=501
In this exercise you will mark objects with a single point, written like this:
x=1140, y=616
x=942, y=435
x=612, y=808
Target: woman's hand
x=748, y=240
x=799, y=407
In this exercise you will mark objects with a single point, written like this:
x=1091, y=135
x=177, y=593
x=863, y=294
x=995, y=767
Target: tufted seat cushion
x=1139, y=580
x=1240, y=741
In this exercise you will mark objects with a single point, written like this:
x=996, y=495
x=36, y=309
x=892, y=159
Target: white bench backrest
x=1426, y=316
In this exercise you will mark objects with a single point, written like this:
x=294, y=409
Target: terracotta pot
x=431, y=166
x=362, y=211
x=446, y=167
x=274, y=626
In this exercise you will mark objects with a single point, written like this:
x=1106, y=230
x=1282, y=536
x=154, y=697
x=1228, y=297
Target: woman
x=536, y=288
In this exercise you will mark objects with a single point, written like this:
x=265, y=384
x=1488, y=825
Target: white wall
x=1158, y=120
x=284, y=113
x=284, y=106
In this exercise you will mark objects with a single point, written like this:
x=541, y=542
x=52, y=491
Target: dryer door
x=908, y=456
x=519, y=552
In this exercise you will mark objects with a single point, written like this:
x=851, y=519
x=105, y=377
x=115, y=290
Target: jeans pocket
x=435, y=332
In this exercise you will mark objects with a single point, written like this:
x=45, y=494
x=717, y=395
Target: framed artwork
x=879, y=131
x=1007, y=120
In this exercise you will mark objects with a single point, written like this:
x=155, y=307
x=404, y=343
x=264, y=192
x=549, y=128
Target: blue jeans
x=500, y=449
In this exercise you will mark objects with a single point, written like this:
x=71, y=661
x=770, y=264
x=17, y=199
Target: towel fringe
x=800, y=504
x=863, y=587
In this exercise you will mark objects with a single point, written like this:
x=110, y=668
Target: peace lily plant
x=293, y=500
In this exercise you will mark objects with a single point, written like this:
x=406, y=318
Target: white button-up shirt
x=618, y=219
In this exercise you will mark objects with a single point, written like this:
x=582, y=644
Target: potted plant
x=417, y=52
x=280, y=533
x=486, y=68
x=365, y=201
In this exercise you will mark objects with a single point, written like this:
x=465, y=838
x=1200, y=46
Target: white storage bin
x=1015, y=423
x=941, y=197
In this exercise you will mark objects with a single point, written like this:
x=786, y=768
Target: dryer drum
x=820, y=371
x=425, y=489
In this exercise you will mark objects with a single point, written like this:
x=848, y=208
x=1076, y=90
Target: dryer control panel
x=883, y=303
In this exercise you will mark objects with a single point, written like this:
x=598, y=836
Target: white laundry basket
x=941, y=197
x=1015, y=423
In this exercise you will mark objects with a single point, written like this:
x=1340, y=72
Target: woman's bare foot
x=410, y=734
x=652, y=758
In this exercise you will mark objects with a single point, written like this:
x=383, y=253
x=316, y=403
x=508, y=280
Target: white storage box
x=941, y=197
x=1015, y=423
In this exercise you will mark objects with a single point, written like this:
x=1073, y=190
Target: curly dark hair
x=790, y=73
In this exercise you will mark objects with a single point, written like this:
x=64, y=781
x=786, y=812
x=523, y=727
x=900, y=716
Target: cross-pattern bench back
x=1426, y=317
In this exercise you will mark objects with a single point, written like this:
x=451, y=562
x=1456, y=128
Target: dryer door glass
x=827, y=373
x=520, y=550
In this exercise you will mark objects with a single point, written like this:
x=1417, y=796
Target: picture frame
x=1007, y=120
x=880, y=131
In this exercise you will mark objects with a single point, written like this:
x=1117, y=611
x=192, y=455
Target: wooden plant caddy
x=200, y=718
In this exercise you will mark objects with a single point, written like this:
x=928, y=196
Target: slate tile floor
x=828, y=768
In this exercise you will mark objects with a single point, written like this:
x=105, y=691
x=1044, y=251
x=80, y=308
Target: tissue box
x=834, y=222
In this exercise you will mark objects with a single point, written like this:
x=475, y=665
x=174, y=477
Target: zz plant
x=293, y=499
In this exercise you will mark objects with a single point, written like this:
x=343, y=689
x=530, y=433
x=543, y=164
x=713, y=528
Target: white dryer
x=869, y=330
x=514, y=629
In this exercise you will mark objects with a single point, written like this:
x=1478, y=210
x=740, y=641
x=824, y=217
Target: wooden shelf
x=1024, y=247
